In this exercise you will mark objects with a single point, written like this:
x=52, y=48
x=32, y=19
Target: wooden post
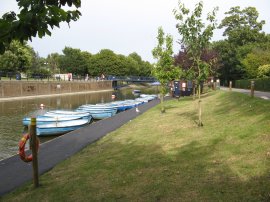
x=230, y=87
x=252, y=87
x=33, y=144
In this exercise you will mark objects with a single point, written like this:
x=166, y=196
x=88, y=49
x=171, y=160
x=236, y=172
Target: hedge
x=260, y=84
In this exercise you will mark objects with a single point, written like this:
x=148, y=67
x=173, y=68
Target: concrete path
x=260, y=94
x=14, y=172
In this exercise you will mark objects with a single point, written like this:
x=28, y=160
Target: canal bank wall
x=10, y=89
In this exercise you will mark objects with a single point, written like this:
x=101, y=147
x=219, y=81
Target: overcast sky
x=127, y=26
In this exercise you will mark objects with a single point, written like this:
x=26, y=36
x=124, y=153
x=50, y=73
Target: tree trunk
x=200, y=106
x=194, y=90
x=162, y=103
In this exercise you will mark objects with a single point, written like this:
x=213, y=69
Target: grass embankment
x=166, y=157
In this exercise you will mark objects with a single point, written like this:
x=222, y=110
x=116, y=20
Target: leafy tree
x=144, y=67
x=108, y=63
x=164, y=70
x=242, y=26
x=129, y=66
x=18, y=57
x=264, y=71
x=36, y=17
x=209, y=56
x=229, y=58
x=196, y=39
x=74, y=61
x=53, y=61
x=8, y=62
x=39, y=68
x=243, y=31
x=105, y=62
x=254, y=60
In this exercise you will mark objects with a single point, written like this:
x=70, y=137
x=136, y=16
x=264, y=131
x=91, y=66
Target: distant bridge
x=122, y=80
x=132, y=78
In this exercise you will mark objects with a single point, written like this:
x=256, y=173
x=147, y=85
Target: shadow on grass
x=190, y=173
x=132, y=172
x=244, y=104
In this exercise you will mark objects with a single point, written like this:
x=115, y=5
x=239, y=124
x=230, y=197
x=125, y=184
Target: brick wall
x=32, y=88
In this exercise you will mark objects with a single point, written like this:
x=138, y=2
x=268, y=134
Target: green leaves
x=34, y=18
x=264, y=71
x=238, y=20
x=18, y=57
x=164, y=70
x=195, y=36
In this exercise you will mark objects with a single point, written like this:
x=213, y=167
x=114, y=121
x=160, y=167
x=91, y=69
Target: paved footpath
x=260, y=94
x=14, y=172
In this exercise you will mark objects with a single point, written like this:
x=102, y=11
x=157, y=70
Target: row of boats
x=57, y=122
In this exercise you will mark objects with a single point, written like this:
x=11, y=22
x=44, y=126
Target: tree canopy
x=36, y=18
x=242, y=26
x=244, y=36
x=17, y=58
x=74, y=60
x=195, y=38
x=164, y=69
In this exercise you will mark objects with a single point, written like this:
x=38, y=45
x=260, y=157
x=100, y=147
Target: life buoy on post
x=22, y=143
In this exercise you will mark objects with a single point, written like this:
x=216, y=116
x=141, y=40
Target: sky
x=127, y=26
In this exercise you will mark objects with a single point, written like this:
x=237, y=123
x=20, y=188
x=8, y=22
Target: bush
x=264, y=71
x=260, y=84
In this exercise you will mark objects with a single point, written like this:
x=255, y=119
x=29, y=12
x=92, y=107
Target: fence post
x=34, y=147
x=252, y=87
x=230, y=86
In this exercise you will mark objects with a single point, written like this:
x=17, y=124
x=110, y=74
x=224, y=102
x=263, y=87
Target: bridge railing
x=132, y=78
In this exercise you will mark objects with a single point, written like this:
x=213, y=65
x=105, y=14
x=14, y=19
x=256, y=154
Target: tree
x=264, y=71
x=196, y=39
x=108, y=63
x=53, y=61
x=36, y=17
x=257, y=58
x=164, y=70
x=40, y=68
x=209, y=56
x=105, y=62
x=74, y=61
x=128, y=66
x=244, y=33
x=144, y=68
x=8, y=62
x=18, y=57
x=242, y=26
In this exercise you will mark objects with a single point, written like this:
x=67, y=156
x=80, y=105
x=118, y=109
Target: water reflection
x=12, y=112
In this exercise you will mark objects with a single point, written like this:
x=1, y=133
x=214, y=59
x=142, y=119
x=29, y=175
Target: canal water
x=12, y=113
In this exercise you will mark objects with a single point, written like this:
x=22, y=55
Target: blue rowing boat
x=42, y=119
x=58, y=128
x=61, y=113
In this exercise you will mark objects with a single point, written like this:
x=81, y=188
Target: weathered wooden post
x=230, y=86
x=252, y=87
x=34, y=148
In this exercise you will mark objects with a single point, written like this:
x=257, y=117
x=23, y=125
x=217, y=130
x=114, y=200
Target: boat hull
x=60, y=128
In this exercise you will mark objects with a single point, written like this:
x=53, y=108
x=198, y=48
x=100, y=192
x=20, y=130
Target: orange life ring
x=22, y=148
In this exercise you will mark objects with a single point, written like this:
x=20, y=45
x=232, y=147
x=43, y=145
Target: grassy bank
x=166, y=157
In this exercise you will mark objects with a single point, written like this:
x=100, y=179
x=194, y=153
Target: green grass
x=166, y=157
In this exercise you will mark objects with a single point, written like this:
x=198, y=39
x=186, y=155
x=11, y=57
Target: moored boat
x=42, y=119
x=65, y=113
x=60, y=127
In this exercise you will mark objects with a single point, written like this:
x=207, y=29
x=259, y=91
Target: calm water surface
x=12, y=113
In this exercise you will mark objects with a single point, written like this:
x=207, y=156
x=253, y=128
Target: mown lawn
x=166, y=157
